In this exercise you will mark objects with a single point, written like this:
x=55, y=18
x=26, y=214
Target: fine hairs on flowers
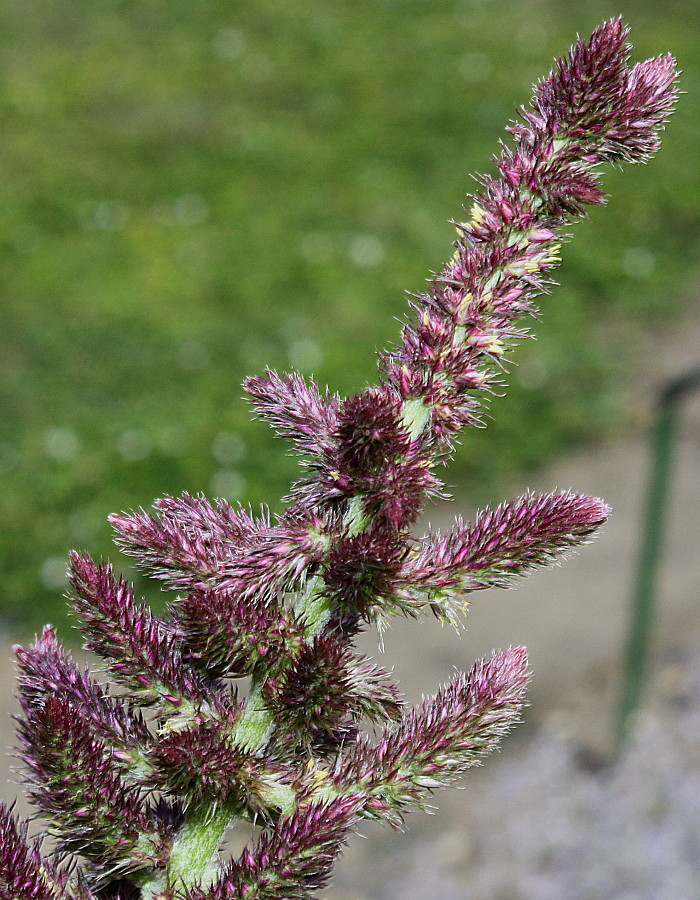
x=139, y=785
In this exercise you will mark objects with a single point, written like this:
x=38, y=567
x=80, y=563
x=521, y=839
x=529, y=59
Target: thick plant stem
x=256, y=721
x=194, y=855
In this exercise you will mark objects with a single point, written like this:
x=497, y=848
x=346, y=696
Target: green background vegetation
x=193, y=191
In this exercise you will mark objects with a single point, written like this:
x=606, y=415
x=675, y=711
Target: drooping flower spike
x=140, y=782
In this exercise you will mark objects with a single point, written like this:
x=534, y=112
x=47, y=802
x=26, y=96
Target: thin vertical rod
x=644, y=594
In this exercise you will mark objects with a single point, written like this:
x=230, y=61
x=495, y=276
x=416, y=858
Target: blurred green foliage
x=193, y=191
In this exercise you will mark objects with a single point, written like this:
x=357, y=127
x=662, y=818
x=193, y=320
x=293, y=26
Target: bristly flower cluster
x=140, y=783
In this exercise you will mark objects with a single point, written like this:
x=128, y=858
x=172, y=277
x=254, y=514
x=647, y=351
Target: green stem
x=194, y=856
x=255, y=725
x=314, y=609
x=416, y=416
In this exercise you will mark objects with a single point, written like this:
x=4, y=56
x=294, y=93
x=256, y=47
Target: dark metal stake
x=650, y=548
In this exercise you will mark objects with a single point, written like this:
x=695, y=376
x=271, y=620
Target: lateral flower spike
x=46, y=669
x=140, y=780
x=437, y=742
x=500, y=545
x=82, y=789
x=24, y=873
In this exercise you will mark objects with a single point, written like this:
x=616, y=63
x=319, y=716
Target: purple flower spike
x=363, y=572
x=186, y=544
x=438, y=742
x=45, y=669
x=142, y=782
x=142, y=651
x=81, y=788
x=296, y=409
x=501, y=544
x=591, y=109
x=224, y=633
x=317, y=698
x=202, y=762
x=24, y=874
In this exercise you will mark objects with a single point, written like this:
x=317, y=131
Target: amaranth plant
x=139, y=785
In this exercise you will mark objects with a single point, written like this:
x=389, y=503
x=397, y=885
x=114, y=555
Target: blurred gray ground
x=529, y=820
